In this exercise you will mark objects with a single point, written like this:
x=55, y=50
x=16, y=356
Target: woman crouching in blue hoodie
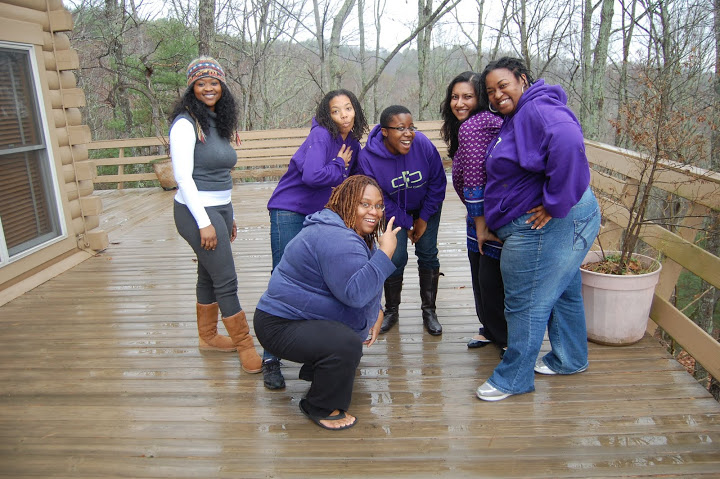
x=410, y=172
x=539, y=203
x=323, y=299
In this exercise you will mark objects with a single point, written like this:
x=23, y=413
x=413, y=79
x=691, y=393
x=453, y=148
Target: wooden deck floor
x=100, y=376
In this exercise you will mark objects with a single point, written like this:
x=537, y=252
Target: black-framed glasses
x=380, y=207
x=401, y=129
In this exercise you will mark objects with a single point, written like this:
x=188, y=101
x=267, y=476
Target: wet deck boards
x=100, y=376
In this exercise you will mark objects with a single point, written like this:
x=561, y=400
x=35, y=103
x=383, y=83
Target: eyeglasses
x=367, y=206
x=401, y=129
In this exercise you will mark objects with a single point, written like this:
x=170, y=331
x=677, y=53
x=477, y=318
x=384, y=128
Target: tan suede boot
x=239, y=331
x=208, y=337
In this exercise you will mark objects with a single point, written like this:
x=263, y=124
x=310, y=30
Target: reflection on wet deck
x=101, y=377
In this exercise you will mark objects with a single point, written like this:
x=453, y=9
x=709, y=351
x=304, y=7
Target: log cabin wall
x=38, y=27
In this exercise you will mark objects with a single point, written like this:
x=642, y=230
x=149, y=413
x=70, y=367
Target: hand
x=539, y=218
x=233, y=232
x=483, y=233
x=388, y=241
x=208, y=238
x=419, y=227
x=346, y=154
x=375, y=330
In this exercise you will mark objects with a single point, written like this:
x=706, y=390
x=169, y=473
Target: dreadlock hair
x=346, y=197
x=451, y=125
x=322, y=114
x=389, y=112
x=515, y=65
x=225, y=109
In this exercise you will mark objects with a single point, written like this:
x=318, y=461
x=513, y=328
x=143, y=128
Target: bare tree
x=442, y=9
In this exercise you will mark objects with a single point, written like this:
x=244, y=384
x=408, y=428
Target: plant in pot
x=618, y=286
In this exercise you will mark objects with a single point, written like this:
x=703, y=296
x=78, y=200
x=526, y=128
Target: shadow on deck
x=101, y=377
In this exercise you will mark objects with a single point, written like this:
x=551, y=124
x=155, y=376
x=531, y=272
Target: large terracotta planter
x=164, y=171
x=617, y=307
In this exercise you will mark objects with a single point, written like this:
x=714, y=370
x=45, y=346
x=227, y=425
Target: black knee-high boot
x=428, y=293
x=393, y=290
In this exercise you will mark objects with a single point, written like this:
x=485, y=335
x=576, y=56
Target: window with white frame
x=29, y=212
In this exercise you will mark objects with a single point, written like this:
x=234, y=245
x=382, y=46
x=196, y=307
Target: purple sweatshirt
x=414, y=182
x=537, y=159
x=314, y=170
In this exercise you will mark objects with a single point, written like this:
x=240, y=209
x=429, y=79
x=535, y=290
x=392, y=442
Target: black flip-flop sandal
x=317, y=419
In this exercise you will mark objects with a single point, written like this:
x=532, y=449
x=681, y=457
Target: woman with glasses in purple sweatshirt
x=410, y=172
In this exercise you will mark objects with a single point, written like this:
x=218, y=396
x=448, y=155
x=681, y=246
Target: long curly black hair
x=515, y=65
x=322, y=114
x=225, y=109
x=451, y=125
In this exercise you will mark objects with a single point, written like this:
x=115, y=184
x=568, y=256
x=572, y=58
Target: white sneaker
x=541, y=367
x=487, y=392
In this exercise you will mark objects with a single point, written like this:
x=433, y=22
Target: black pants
x=217, y=280
x=489, y=294
x=330, y=347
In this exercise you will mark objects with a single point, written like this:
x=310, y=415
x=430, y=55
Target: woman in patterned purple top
x=468, y=128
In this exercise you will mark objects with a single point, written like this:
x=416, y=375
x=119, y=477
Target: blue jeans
x=284, y=226
x=426, y=249
x=541, y=272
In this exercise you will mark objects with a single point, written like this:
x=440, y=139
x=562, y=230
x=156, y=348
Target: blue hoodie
x=313, y=171
x=414, y=182
x=327, y=272
x=537, y=159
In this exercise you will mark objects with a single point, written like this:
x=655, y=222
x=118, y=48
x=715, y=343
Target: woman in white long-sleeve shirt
x=203, y=123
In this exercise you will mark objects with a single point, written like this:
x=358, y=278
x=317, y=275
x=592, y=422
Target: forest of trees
x=641, y=74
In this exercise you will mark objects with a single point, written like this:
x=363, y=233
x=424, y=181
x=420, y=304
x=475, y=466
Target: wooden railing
x=616, y=175
x=262, y=153
x=267, y=153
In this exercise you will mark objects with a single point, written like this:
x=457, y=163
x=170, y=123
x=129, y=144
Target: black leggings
x=330, y=347
x=217, y=279
x=489, y=295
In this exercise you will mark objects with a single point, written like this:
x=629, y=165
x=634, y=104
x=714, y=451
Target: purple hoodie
x=537, y=159
x=412, y=182
x=313, y=171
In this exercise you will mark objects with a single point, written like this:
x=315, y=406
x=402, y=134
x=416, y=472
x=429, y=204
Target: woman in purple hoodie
x=539, y=203
x=326, y=158
x=410, y=172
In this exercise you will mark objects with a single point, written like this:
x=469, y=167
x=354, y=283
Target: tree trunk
x=423, y=46
x=478, y=66
x=362, y=53
x=206, y=26
x=334, y=72
x=118, y=99
x=323, y=81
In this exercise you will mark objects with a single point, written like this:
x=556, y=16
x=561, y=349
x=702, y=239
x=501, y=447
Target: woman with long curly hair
x=323, y=299
x=327, y=156
x=468, y=128
x=203, y=123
